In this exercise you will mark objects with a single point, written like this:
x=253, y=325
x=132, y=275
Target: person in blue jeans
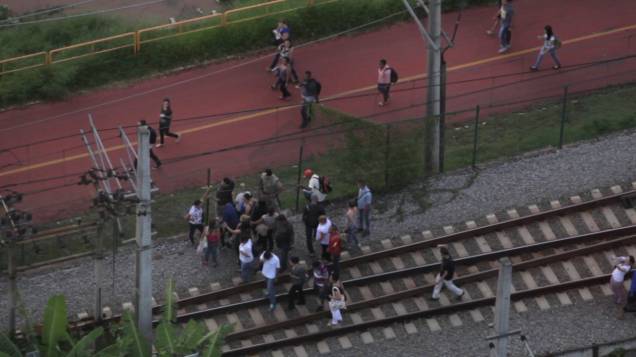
x=506, y=13
x=365, y=198
x=271, y=264
x=549, y=46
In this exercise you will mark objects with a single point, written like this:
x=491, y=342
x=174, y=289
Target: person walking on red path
x=152, y=140
x=505, y=35
x=282, y=78
x=550, y=45
x=165, y=119
x=496, y=20
x=384, y=82
x=622, y=267
x=445, y=276
x=311, y=94
x=298, y=276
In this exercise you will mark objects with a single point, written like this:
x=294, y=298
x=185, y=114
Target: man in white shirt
x=313, y=186
x=246, y=257
x=271, y=264
x=322, y=233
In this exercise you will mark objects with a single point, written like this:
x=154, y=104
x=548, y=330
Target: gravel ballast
x=451, y=199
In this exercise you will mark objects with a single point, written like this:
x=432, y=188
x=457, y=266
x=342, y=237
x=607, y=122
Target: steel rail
x=418, y=291
x=445, y=239
x=423, y=269
x=462, y=306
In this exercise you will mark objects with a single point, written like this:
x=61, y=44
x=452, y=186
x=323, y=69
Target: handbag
x=337, y=304
x=201, y=247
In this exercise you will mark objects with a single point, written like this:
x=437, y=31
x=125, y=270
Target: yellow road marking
x=353, y=91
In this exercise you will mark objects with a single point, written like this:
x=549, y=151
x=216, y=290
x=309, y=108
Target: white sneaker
x=158, y=145
x=503, y=50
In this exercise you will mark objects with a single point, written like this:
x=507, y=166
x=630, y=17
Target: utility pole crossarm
x=421, y=26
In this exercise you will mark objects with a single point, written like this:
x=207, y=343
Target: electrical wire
x=371, y=92
x=297, y=136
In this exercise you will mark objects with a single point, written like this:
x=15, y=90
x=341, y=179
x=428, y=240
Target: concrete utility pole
x=143, y=290
x=432, y=157
x=16, y=226
x=432, y=36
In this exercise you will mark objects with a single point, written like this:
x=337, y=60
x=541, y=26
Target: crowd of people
x=259, y=236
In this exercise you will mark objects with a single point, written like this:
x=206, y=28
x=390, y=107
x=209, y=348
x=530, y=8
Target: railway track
x=558, y=254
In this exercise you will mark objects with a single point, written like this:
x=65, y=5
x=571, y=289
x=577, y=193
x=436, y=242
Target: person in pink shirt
x=384, y=81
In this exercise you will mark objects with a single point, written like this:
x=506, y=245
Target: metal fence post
x=387, y=152
x=300, y=171
x=564, y=115
x=475, y=136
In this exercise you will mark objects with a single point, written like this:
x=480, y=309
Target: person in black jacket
x=165, y=119
x=153, y=140
x=311, y=214
x=310, y=92
x=224, y=195
x=284, y=238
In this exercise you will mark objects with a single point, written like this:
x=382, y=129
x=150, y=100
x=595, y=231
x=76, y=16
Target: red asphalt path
x=342, y=65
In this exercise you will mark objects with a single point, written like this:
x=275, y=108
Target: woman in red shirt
x=213, y=236
x=334, y=248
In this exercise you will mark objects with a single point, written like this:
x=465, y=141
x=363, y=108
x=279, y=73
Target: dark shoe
x=433, y=299
x=158, y=164
x=460, y=296
x=319, y=308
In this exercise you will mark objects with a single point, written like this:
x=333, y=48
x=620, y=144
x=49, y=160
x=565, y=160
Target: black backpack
x=325, y=185
x=153, y=135
x=394, y=76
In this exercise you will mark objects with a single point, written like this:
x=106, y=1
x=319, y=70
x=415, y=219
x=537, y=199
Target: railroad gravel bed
x=452, y=198
x=581, y=324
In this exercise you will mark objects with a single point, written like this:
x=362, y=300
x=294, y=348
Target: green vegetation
x=171, y=338
x=58, y=80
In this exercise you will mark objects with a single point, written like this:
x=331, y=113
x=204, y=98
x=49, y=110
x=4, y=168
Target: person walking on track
x=337, y=300
x=384, y=82
x=365, y=197
x=195, y=216
x=550, y=45
x=505, y=35
x=351, y=218
x=246, y=258
x=622, y=267
x=152, y=140
x=271, y=264
x=165, y=119
x=298, y=276
x=269, y=187
x=312, y=212
x=213, y=236
x=322, y=233
x=445, y=276
x=310, y=92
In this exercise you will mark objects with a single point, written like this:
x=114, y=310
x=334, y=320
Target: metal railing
x=136, y=39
